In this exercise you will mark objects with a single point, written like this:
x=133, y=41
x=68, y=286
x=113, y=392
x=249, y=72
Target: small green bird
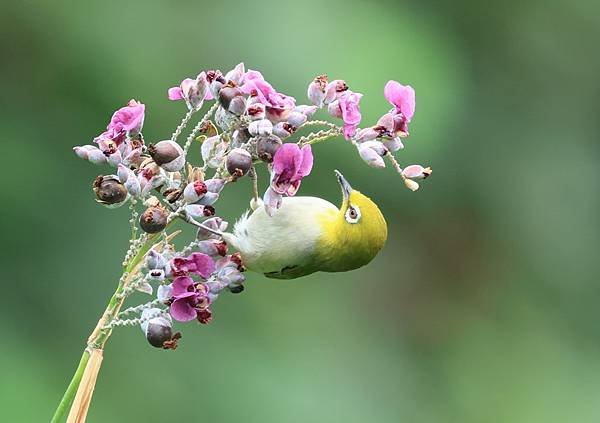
x=309, y=234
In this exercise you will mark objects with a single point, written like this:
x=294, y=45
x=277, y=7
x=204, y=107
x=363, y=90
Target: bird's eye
x=353, y=214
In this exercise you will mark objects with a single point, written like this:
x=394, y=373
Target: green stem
x=69, y=394
x=101, y=333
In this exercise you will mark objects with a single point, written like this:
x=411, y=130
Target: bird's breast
x=288, y=239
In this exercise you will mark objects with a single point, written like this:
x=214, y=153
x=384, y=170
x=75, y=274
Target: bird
x=309, y=234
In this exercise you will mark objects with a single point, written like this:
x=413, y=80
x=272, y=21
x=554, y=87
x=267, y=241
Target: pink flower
x=190, y=299
x=278, y=106
x=402, y=97
x=193, y=91
x=346, y=107
x=127, y=121
x=290, y=165
x=197, y=263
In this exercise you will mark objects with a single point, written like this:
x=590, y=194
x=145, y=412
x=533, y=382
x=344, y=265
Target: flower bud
x=376, y=146
x=416, y=172
x=168, y=155
x=316, y=90
x=394, y=144
x=308, y=111
x=227, y=94
x=371, y=153
x=230, y=275
x=90, y=153
x=334, y=109
x=225, y=119
x=109, y=190
x=236, y=75
x=208, y=199
x=239, y=137
x=133, y=186
x=260, y=127
x=213, y=151
x=154, y=219
x=272, y=201
x=155, y=260
x=283, y=130
x=214, y=223
x=297, y=119
x=411, y=185
x=157, y=329
x=334, y=89
x=256, y=111
x=238, y=162
x=237, y=106
x=212, y=247
x=367, y=134
x=216, y=81
x=215, y=185
x=194, y=191
x=115, y=158
x=199, y=211
x=267, y=146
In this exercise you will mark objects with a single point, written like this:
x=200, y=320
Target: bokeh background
x=483, y=306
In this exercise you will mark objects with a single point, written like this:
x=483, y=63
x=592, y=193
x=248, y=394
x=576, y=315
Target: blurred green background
x=483, y=306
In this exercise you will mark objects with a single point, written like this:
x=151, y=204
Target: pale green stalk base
x=69, y=394
x=102, y=332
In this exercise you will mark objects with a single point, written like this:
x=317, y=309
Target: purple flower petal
x=182, y=285
x=205, y=265
x=175, y=93
x=401, y=96
x=182, y=310
x=307, y=161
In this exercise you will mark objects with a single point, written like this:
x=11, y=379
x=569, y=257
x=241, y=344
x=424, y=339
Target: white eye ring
x=352, y=214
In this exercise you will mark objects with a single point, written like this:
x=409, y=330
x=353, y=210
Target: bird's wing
x=282, y=246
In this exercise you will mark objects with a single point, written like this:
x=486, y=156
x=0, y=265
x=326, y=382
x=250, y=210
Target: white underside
x=270, y=244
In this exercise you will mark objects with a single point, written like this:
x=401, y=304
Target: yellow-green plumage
x=309, y=234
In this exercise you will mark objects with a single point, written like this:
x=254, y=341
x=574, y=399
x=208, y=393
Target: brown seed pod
x=109, y=190
x=267, y=146
x=154, y=219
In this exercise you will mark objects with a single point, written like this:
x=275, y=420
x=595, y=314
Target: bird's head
x=357, y=232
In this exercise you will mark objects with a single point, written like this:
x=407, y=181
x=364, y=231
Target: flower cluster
x=248, y=123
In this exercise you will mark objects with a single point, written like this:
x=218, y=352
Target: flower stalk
x=250, y=124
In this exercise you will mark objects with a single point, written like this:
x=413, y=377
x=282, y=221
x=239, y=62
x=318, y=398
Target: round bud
x=157, y=333
x=154, y=219
x=168, y=155
x=236, y=288
x=237, y=106
x=267, y=146
x=238, y=162
x=226, y=94
x=109, y=190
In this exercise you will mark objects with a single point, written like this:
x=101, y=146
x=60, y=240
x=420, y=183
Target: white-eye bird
x=309, y=234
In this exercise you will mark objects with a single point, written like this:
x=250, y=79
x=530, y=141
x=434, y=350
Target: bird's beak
x=346, y=188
